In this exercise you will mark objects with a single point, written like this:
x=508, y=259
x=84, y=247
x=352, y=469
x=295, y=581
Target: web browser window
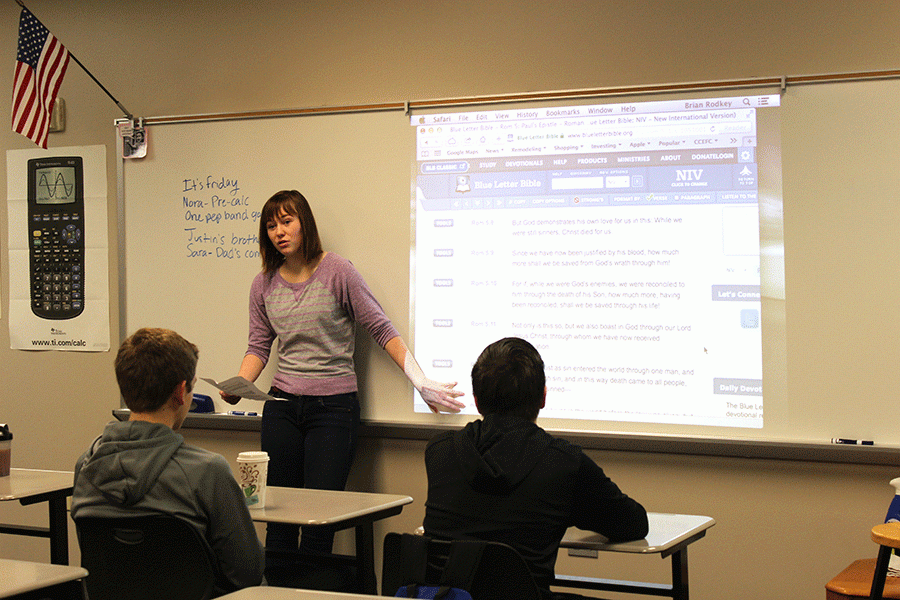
x=622, y=240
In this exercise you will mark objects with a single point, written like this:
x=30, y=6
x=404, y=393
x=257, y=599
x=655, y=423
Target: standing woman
x=309, y=300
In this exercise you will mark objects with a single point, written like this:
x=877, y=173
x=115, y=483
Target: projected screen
x=633, y=244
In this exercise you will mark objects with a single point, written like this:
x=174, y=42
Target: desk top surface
x=302, y=506
x=276, y=593
x=22, y=483
x=666, y=531
x=21, y=576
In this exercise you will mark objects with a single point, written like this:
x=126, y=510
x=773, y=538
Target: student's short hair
x=150, y=364
x=508, y=379
x=293, y=203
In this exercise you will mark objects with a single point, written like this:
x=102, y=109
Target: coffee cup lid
x=253, y=456
x=5, y=434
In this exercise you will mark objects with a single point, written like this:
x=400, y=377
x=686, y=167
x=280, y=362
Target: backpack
x=456, y=577
x=432, y=592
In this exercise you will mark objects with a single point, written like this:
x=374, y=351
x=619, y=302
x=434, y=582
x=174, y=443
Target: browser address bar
x=664, y=131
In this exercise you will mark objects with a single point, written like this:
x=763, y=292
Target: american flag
x=40, y=65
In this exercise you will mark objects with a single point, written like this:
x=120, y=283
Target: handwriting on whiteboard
x=219, y=222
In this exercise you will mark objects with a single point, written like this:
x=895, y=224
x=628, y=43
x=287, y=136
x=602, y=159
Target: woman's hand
x=230, y=399
x=441, y=397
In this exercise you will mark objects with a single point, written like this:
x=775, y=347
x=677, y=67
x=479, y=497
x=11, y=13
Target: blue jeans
x=311, y=441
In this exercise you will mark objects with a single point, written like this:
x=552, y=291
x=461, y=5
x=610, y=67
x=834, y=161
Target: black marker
x=852, y=442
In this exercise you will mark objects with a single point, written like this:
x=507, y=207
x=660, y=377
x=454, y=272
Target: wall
x=784, y=528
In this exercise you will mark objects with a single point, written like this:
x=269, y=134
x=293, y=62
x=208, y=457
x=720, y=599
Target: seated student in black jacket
x=504, y=479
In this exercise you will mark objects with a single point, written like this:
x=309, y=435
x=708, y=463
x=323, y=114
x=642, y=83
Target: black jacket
x=507, y=480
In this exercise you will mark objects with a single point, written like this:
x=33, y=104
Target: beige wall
x=784, y=528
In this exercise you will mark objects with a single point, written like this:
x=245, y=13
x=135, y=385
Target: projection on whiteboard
x=622, y=240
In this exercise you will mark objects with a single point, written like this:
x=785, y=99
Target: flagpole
x=72, y=56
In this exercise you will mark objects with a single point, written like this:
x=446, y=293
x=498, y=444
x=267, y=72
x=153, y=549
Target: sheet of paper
x=238, y=386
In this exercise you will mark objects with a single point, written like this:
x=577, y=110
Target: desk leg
x=59, y=531
x=365, y=559
x=680, y=575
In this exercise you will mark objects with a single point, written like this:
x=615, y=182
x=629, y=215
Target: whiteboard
x=836, y=364
x=189, y=268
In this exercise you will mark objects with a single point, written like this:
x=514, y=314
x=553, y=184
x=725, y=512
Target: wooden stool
x=887, y=536
x=855, y=582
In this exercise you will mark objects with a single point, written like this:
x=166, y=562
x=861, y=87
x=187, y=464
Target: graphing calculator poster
x=58, y=249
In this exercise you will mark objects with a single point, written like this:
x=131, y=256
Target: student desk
x=30, y=486
x=21, y=577
x=669, y=535
x=340, y=510
x=277, y=593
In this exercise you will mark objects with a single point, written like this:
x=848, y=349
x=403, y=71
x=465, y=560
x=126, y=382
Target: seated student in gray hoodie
x=143, y=467
x=504, y=479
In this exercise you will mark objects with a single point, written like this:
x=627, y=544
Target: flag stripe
x=52, y=75
x=20, y=90
x=28, y=101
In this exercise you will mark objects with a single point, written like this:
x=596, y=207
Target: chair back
x=145, y=558
x=500, y=574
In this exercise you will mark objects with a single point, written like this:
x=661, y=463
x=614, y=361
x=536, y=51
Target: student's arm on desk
x=602, y=507
x=231, y=532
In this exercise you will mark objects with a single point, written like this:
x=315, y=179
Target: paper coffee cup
x=252, y=469
x=5, y=449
